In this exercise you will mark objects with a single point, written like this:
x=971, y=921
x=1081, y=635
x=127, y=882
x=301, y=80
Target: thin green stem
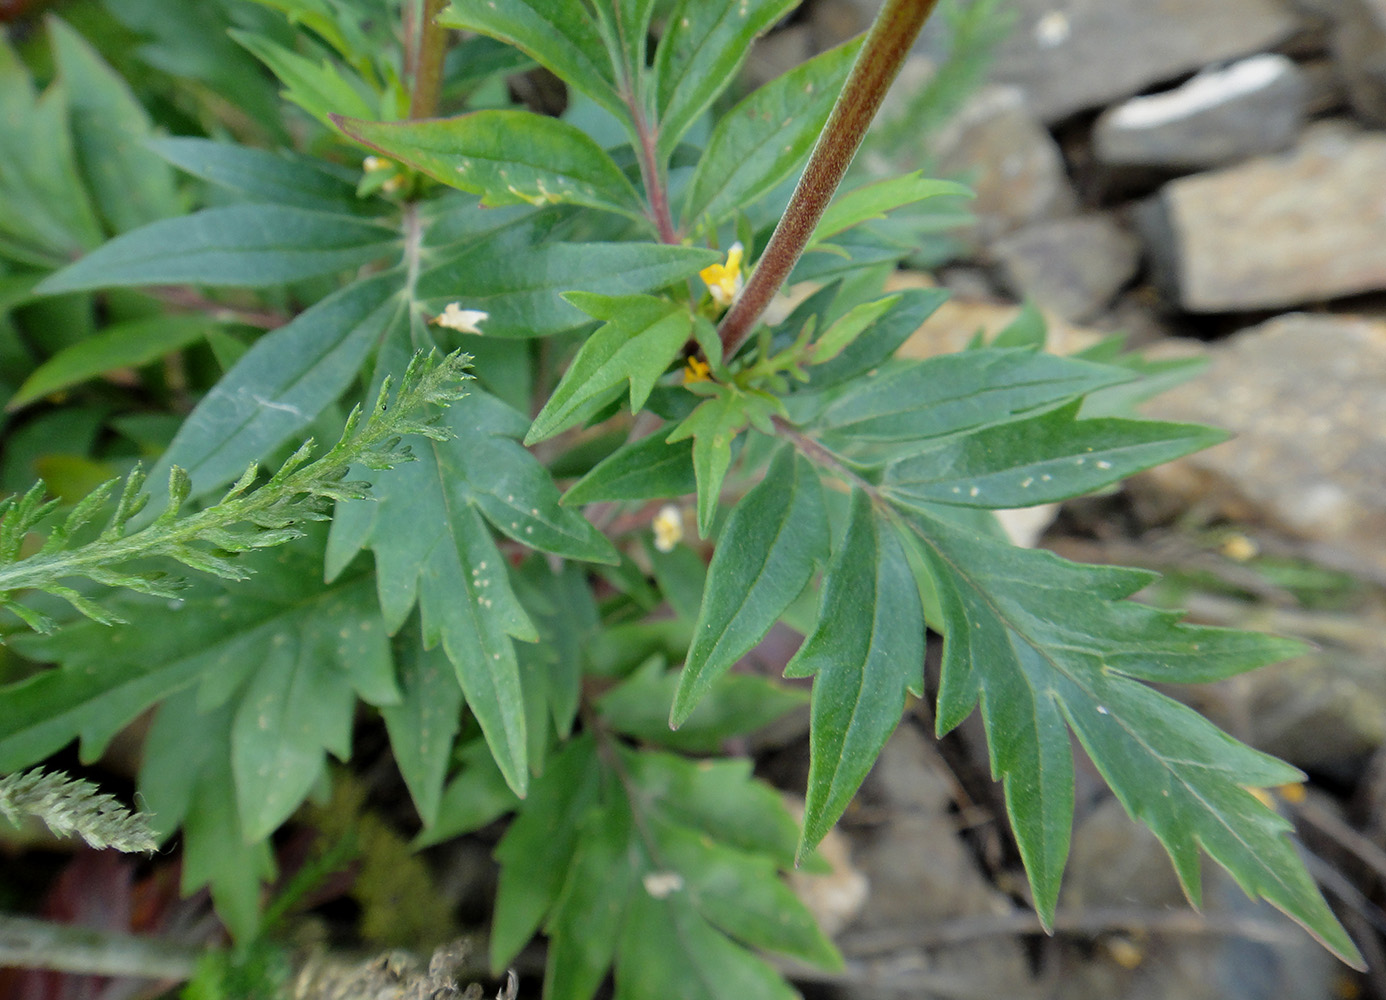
x=430, y=48
x=877, y=65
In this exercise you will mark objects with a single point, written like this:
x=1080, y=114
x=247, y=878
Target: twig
x=38, y=944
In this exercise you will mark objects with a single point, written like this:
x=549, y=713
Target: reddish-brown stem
x=877, y=64
x=651, y=176
x=430, y=46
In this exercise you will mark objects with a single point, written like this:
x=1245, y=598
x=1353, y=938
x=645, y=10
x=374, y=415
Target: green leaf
x=476, y=797
x=283, y=382
x=45, y=214
x=538, y=849
x=699, y=56
x=558, y=34
x=186, y=778
x=866, y=651
x=279, y=178
x=916, y=401
x=288, y=650
x=761, y=140
x=648, y=469
x=712, y=426
x=741, y=895
x=629, y=29
x=874, y=346
x=585, y=922
x=1029, y=329
x=321, y=89
x=423, y=726
x=845, y=330
x=431, y=546
x=121, y=345
x=130, y=184
x=764, y=558
x=873, y=201
x=1040, y=459
x=250, y=246
x=733, y=705
x=1047, y=645
x=521, y=284
x=636, y=342
x=668, y=949
x=508, y=157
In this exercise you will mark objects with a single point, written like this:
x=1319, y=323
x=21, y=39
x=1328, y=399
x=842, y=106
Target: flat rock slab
x=1274, y=232
x=1073, y=266
x=1305, y=396
x=1070, y=55
x=1251, y=108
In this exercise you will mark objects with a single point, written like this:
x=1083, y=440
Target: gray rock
x=1010, y=160
x=1274, y=232
x=1250, y=108
x=1069, y=55
x=1303, y=396
x=1073, y=267
x=1117, y=864
x=1359, y=50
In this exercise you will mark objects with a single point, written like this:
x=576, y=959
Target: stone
x=1275, y=231
x=1250, y=108
x=1008, y=158
x=1359, y=50
x=1073, y=267
x=1071, y=55
x=1302, y=395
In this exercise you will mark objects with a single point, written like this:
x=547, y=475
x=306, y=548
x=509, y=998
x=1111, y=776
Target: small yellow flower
x=696, y=370
x=454, y=317
x=668, y=527
x=724, y=280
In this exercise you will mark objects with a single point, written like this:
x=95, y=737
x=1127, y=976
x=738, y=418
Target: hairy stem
x=430, y=48
x=877, y=64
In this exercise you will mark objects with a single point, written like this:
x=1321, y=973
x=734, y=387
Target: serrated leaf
x=865, y=653
x=648, y=469
x=1046, y=645
x=636, y=342
x=741, y=895
x=432, y=547
x=46, y=215
x=508, y=157
x=131, y=185
x=873, y=201
x=280, y=630
x=423, y=725
x=734, y=705
x=240, y=246
x=761, y=140
x=476, y=797
x=558, y=34
x=258, y=175
x=537, y=850
x=700, y=55
x=916, y=401
x=712, y=426
x=321, y=89
x=585, y=923
x=520, y=283
x=765, y=556
x=186, y=778
x=1041, y=459
x=283, y=382
x=121, y=345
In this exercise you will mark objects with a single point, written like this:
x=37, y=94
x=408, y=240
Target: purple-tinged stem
x=431, y=41
x=880, y=59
